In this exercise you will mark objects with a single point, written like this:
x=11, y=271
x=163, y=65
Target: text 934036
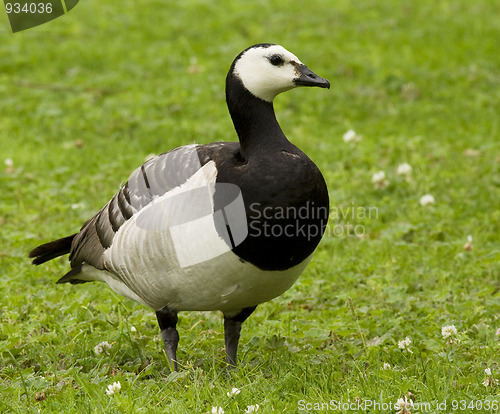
x=28, y=8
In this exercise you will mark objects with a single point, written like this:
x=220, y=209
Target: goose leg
x=232, y=329
x=167, y=319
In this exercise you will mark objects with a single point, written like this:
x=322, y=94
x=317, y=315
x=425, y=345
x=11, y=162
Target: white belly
x=188, y=266
x=224, y=283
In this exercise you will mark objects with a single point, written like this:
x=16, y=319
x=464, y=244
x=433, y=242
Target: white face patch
x=263, y=79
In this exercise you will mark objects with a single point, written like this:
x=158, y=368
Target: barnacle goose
x=223, y=226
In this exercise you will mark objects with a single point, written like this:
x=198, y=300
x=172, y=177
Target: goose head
x=266, y=70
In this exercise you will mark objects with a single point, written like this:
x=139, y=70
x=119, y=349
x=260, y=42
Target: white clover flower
x=379, y=180
x=9, y=164
x=386, y=365
x=351, y=136
x=448, y=331
x=233, y=392
x=102, y=347
x=133, y=329
x=404, y=169
x=252, y=408
x=426, y=199
x=468, y=245
x=378, y=176
x=404, y=344
x=114, y=388
x=403, y=405
x=217, y=410
x=489, y=381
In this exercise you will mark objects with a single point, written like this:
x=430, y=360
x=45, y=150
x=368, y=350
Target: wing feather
x=153, y=179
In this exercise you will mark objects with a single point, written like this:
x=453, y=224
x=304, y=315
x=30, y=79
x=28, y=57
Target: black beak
x=308, y=78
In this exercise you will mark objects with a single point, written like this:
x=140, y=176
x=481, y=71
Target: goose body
x=223, y=226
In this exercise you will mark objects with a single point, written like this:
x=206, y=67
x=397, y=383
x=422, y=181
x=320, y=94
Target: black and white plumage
x=223, y=226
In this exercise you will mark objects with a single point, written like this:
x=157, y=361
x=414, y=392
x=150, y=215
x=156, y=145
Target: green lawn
x=85, y=98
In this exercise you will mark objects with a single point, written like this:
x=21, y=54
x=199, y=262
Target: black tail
x=48, y=251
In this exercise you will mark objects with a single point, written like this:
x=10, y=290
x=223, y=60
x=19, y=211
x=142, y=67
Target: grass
x=85, y=98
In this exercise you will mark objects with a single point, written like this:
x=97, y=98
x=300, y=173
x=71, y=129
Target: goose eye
x=276, y=60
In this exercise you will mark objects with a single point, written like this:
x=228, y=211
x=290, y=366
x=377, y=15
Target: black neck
x=254, y=120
